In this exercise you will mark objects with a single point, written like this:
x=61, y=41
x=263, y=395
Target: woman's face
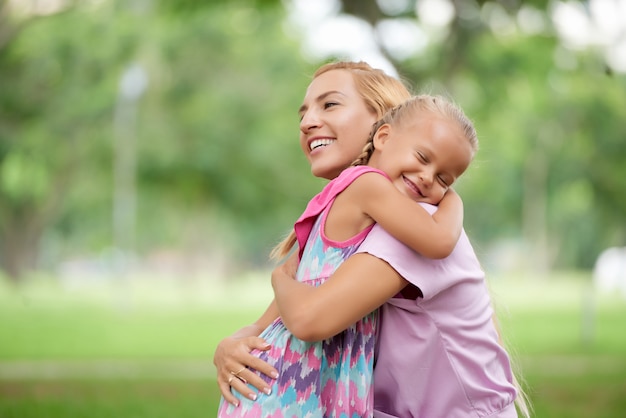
x=335, y=123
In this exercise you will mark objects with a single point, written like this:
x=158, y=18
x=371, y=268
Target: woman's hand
x=234, y=362
x=235, y=365
x=289, y=267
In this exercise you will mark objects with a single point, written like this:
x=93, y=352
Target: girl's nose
x=426, y=178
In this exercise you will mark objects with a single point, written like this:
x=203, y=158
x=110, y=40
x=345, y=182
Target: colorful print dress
x=330, y=378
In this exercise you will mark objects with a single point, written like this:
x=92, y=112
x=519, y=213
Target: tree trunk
x=19, y=245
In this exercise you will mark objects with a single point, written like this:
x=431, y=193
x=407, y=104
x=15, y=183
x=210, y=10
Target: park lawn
x=570, y=348
x=139, y=398
x=143, y=320
x=598, y=395
x=590, y=394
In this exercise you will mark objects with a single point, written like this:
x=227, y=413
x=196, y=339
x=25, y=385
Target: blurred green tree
x=551, y=123
x=53, y=102
x=212, y=129
x=215, y=132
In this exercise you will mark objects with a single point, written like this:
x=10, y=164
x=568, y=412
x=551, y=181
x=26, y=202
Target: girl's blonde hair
x=379, y=91
x=434, y=105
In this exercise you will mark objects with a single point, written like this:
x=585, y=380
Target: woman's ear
x=381, y=136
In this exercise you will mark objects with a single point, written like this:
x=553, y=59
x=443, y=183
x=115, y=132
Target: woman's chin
x=323, y=171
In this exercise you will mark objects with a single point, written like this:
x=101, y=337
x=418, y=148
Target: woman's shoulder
x=403, y=259
x=430, y=275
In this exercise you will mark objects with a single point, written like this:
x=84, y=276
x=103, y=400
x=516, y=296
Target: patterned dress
x=329, y=378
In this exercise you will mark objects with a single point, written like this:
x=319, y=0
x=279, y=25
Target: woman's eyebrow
x=319, y=98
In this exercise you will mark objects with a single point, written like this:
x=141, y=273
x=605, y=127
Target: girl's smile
x=413, y=188
x=422, y=157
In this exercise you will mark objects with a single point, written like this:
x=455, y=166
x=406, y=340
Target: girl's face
x=423, y=157
x=335, y=123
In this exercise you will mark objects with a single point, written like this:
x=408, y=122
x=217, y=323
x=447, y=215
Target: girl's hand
x=235, y=365
x=451, y=198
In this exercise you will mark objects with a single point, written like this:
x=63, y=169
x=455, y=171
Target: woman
x=332, y=376
x=443, y=307
x=332, y=135
x=439, y=352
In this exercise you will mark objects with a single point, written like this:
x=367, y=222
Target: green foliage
x=52, y=107
x=215, y=134
x=217, y=159
x=551, y=139
x=219, y=126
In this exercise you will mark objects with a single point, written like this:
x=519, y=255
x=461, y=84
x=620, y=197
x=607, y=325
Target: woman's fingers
x=224, y=386
x=256, y=363
x=252, y=363
x=234, y=361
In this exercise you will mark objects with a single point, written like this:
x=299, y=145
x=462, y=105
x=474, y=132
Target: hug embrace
x=381, y=307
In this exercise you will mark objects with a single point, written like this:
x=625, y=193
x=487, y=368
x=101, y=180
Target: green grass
x=107, y=399
x=138, y=320
x=144, y=348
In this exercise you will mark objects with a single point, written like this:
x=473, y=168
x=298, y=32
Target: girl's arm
x=432, y=236
x=317, y=313
x=233, y=352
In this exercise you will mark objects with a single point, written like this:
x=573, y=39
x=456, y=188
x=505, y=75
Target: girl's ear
x=381, y=136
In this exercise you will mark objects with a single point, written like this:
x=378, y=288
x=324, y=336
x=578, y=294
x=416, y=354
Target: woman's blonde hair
x=380, y=92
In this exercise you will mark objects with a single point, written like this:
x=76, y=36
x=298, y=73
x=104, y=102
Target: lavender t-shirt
x=439, y=356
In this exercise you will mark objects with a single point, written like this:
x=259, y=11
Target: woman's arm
x=432, y=236
x=233, y=353
x=317, y=313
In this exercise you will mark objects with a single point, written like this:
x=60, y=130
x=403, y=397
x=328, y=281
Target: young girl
x=420, y=148
x=438, y=350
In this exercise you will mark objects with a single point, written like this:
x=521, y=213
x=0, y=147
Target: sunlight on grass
x=138, y=318
x=252, y=290
x=143, y=346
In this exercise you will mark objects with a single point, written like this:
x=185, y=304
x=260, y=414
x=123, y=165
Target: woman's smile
x=320, y=142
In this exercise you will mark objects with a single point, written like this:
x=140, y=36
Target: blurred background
x=149, y=161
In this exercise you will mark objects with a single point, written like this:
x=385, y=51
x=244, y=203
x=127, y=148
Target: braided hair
x=436, y=105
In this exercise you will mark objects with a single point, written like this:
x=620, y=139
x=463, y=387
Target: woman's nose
x=309, y=121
